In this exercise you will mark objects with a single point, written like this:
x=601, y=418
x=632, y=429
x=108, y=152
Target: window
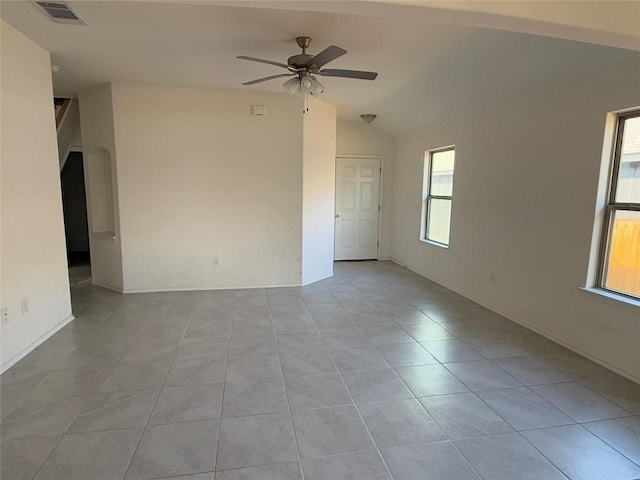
x=620, y=250
x=437, y=188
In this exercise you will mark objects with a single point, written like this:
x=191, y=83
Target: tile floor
x=373, y=374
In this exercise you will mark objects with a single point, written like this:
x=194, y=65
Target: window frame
x=427, y=196
x=612, y=206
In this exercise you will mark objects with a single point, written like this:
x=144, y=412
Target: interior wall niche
x=100, y=183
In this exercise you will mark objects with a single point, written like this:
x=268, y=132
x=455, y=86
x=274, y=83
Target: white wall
x=318, y=191
x=523, y=209
x=33, y=244
x=359, y=138
x=96, y=119
x=200, y=177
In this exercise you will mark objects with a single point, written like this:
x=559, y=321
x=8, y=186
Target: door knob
x=337, y=215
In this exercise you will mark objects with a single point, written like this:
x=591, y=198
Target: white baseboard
x=108, y=287
x=529, y=326
x=317, y=280
x=33, y=345
x=201, y=289
x=399, y=263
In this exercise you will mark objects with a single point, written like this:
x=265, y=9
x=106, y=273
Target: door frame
x=380, y=194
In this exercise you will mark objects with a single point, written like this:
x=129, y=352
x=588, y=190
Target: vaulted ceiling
x=432, y=57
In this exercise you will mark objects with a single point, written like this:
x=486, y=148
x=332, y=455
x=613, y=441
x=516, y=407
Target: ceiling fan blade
x=332, y=72
x=326, y=56
x=264, y=79
x=262, y=60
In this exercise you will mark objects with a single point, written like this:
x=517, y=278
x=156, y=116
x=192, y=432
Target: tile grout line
x=286, y=390
x=46, y=376
x=606, y=442
x=26, y=396
x=48, y=456
x=580, y=382
x=417, y=399
x=452, y=442
x=343, y=280
x=543, y=455
x=629, y=414
x=362, y=419
x=79, y=413
x=224, y=385
x=155, y=403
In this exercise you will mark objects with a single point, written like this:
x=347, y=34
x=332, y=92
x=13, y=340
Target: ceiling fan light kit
x=302, y=85
x=303, y=69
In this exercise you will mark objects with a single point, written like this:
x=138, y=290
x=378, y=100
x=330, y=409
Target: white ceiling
x=430, y=61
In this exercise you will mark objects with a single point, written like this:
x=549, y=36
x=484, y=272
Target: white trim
x=33, y=345
x=313, y=281
x=435, y=244
x=427, y=157
x=528, y=325
x=400, y=264
x=604, y=178
x=380, y=196
x=203, y=289
x=612, y=298
x=108, y=287
x=600, y=240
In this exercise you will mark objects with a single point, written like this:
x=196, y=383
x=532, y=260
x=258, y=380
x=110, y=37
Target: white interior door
x=357, y=208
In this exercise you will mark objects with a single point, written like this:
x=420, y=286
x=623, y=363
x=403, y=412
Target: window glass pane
x=628, y=186
x=439, y=220
x=442, y=173
x=623, y=262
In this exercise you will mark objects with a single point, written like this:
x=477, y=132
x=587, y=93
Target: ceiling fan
x=303, y=68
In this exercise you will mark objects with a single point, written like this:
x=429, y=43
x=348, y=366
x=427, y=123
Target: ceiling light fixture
x=368, y=117
x=302, y=84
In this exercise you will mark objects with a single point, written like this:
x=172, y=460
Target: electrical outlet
x=5, y=316
x=24, y=305
x=216, y=261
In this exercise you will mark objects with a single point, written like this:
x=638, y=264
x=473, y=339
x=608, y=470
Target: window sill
x=435, y=244
x=612, y=298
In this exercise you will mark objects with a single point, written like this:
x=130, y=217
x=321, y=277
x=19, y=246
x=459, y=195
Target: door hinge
x=378, y=242
x=380, y=169
x=378, y=207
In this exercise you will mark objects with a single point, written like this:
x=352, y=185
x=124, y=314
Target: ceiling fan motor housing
x=300, y=61
x=303, y=42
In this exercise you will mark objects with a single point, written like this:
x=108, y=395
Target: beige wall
x=33, y=245
x=524, y=193
x=200, y=177
x=318, y=191
x=359, y=138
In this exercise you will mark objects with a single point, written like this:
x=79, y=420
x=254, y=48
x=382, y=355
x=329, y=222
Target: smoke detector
x=60, y=12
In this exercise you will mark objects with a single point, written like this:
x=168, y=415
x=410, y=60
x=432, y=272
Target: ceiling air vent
x=60, y=13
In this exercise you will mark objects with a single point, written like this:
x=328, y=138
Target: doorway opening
x=76, y=226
